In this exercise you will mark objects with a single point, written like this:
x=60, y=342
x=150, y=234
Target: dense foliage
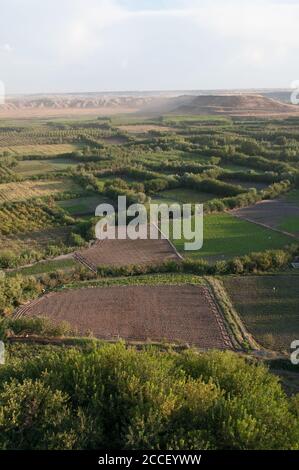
x=16, y=217
x=117, y=398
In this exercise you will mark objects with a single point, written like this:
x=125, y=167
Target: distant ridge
x=145, y=103
x=228, y=104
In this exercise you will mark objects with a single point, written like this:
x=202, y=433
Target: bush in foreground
x=112, y=397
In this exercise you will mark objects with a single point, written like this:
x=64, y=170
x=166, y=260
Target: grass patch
x=44, y=267
x=234, y=167
x=290, y=224
x=140, y=280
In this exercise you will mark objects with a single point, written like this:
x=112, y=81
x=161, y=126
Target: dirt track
x=184, y=313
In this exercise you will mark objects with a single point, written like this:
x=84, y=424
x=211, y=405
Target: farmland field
x=144, y=128
x=82, y=205
x=149, y=232
x=181, y=196
x=290, y=224
x=145, y=313
x=214, y=160
x=124, y=252
x=50, y=266
x=35, y=149
x=268, y=306
x=226, y=236
x=33, y=189
x=275, y=213
x=246, y=184
x=36, y=239
x=40, y=167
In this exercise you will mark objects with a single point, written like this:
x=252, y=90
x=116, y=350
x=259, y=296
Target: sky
x=113, y=45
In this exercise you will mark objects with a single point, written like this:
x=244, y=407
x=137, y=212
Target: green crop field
x=268, y=306
x=290, y=224
x=235, y=167
x=293, y=196
x=83, y=205
x=226, y=236
x=181, y=196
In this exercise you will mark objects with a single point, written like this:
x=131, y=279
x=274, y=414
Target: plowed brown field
x=177, y=313
x=125, y=252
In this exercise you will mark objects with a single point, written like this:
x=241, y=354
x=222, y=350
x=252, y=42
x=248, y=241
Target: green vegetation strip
x=240, y=336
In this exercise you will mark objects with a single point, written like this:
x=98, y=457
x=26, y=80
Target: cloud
x=84, y=32
x=117, y=44
x=263, y=28
x=264, y=21
x=6, y=48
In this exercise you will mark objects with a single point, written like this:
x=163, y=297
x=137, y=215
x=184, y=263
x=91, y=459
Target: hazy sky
x=94, y=45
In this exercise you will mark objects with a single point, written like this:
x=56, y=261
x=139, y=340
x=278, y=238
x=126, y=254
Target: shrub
x=33, y=326
x=112, y=397
x=17, y=289
x=8, y=259
x=35, y=417
x=76, y=240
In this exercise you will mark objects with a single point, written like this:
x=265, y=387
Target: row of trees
x=248, y=197
x=267, y=261
x=17, y=289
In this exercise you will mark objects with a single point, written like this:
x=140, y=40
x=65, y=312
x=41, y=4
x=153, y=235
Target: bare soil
x=234, y=104
x=126, y=252
x=245, y=104
x=143, y=128
x=177, y=313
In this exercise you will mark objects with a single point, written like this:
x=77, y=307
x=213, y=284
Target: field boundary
x=22, y=310
x=239, y=333
x=84, y=262
x=82, y=340
x=170, y=243
x=261, y=224
x=212, y=300
x=82, y=255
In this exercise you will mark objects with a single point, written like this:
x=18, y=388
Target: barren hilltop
x=152, y=103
